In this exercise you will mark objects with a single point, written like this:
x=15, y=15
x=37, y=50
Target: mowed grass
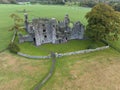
x=35, y=11
x=45, y=49
x=93, y=71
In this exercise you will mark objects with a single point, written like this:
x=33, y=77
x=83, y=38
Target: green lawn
x=45, y=49
x=34, y=11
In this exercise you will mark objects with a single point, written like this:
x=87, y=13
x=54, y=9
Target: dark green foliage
x=86, y=3
x=103, y=23
x=117, y=7
x=13, y=2
x=48, y=1
x=17, y=22
x=89, y=3
x=13, y=47
x=7, y=1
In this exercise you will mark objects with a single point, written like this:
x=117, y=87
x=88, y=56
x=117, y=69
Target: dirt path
x=39, y=85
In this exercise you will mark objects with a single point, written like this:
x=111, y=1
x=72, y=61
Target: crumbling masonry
x=41, y=31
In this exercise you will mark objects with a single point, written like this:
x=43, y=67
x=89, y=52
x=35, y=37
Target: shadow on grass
x=3, y=50
x=111, y=45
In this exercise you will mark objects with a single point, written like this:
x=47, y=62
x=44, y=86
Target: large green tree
x=103, y=23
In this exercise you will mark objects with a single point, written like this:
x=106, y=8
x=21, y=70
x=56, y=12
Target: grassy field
x=45, y=49
x=35, y=11
x=17, y=73
x=92, y=71
x=116, y=43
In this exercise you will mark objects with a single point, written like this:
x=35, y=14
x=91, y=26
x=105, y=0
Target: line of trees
x=48, y=1
x=7, y=1
x=91, y=3
x=115, y=5
x=84, y=3
x=59, y=1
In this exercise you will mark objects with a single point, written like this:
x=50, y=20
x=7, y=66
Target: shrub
x=91, y=4
x=117, y=7
x=13, y=47
x=87, y=4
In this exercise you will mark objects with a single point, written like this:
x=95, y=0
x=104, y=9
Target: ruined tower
x=26, y=21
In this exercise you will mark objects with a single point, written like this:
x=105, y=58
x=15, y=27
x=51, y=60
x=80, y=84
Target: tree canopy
x=103, y=23
x=17, y=22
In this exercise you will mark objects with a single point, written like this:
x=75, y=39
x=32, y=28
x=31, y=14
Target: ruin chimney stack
x=26, y=21
x=26, y=16
x=66, y=20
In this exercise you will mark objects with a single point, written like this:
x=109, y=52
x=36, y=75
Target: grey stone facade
x=41, y=31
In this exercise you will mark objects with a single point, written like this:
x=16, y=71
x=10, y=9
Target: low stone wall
x=81, y=51
x=63, y=54
x=34, y=57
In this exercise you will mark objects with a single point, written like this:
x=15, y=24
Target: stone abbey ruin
x=41, y=31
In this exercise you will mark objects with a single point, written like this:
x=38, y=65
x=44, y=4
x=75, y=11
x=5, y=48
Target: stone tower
x=66, y=20
x=26, y=21
x=53, y=20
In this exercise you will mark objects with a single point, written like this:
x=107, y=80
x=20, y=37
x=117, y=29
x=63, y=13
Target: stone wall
x=35, y=57
x=63, y=54
x=81, y=51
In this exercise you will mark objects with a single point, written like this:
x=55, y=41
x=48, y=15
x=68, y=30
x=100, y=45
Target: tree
x=17, y=22
x=8, y=1
x=117, y=7
x=13, y=47
x=103, y=23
